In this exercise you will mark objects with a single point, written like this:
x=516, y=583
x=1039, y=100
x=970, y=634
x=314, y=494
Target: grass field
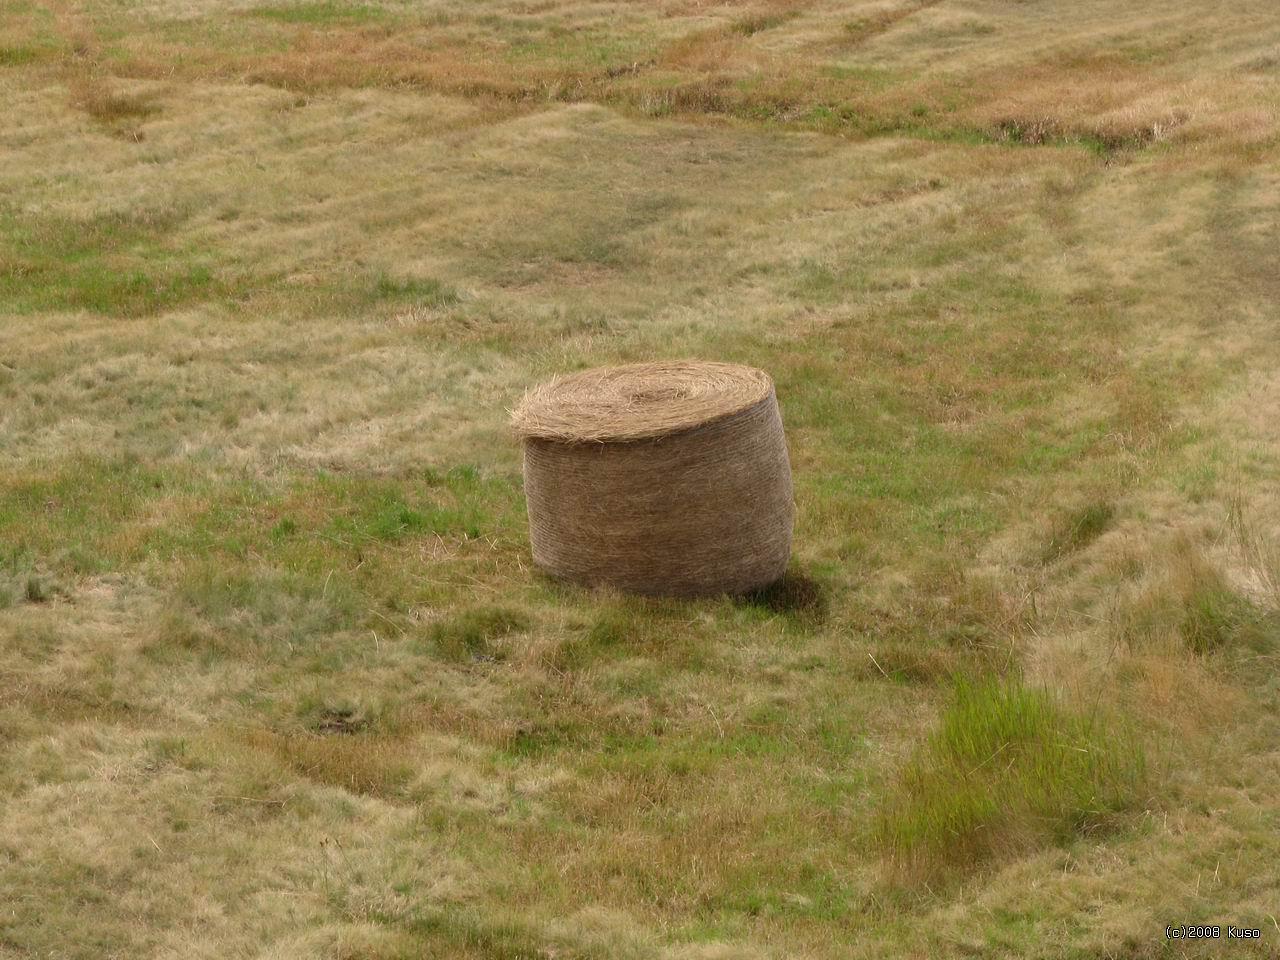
x=277, y=678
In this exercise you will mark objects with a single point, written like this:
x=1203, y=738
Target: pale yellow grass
x=1048, y=228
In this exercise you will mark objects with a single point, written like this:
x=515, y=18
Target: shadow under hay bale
x=795, y=596
x=664, y=479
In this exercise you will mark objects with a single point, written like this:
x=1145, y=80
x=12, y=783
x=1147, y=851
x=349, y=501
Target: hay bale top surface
x=638, y=401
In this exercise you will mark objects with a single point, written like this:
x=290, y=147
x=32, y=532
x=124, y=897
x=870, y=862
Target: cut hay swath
x=667, y=478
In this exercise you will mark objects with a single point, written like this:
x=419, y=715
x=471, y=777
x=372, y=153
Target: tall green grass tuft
x=1008, y=769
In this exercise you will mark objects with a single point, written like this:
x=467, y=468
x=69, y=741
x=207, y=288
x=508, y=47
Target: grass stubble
x=276, y=675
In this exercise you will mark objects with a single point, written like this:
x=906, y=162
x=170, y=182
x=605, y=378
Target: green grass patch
x=20, y=54
x=21, y=582
x=1008, y=769
x=474, y=634
x=391, y=517
x=118, y=264
x=1213, y=616
x=271, y=607
x=425, y=291
x=253, y=550
x=322, y=13
x=77, y=509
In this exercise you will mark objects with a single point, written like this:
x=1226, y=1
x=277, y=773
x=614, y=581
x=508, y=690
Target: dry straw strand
x=667, y=478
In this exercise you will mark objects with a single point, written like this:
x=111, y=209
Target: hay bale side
x=702, y=510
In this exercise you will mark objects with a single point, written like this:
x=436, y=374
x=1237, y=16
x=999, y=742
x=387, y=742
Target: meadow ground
x=277, y=679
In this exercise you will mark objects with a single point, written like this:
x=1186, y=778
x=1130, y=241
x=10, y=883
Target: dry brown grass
x=1110, y=100
x=276, y=675
x=351, y=760
x=879, y=21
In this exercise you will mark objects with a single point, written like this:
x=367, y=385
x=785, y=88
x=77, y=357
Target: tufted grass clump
x=476, y=634
x=1077, y=529
x=1008, y=769
x=1191, y=605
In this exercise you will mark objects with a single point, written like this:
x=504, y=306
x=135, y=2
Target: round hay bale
x=666, y=478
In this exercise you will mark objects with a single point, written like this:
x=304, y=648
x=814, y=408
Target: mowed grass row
x=304, y=617
x=1116, y=84
x=277, y=674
